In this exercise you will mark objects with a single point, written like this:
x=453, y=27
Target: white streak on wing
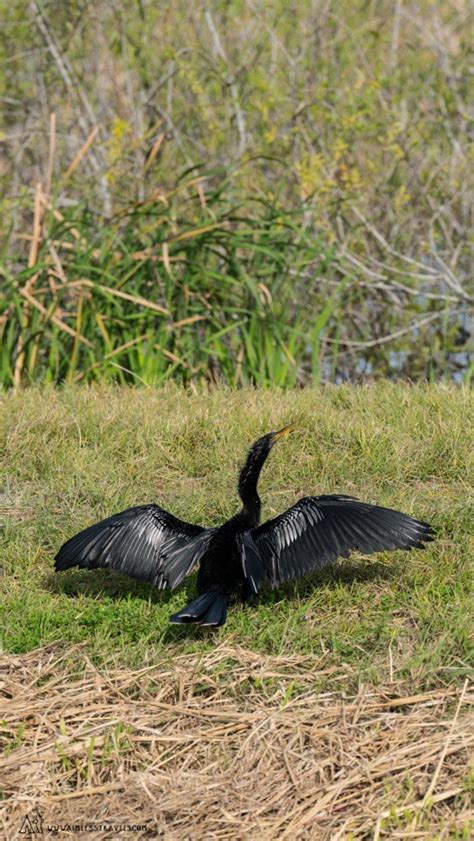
x=154, y=536
x=274, y=568
x=317, y=514
x=244, y=558
x=130, y=549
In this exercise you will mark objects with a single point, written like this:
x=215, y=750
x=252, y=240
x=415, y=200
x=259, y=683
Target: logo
x=32, y=823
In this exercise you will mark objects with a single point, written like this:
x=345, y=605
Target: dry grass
x=214, y=745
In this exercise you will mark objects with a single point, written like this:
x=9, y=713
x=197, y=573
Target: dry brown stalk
x=154, y=151
x=50, y=316
x=52, y=149
x=136, y=299
x=80, y=154
x=32, y=259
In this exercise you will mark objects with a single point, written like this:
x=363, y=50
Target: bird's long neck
x=248, y=480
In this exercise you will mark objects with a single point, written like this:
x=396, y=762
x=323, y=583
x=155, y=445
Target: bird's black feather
x=317, y=530
x=208, y=609
x=145, y=542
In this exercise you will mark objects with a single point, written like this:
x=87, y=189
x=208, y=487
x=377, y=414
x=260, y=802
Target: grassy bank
x=74, y=456
x=337, y=707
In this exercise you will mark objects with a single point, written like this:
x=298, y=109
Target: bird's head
x=273, y=437
x=262, y=446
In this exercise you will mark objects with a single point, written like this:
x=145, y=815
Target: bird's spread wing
x=319, y=529
x=144, y=542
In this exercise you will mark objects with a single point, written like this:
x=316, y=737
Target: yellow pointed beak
x=282, y=432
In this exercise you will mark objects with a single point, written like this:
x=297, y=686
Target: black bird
x=240, y=556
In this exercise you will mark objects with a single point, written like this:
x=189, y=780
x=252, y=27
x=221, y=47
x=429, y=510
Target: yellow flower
x=401, y=197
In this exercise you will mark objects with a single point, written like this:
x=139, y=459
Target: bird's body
x=239, y=557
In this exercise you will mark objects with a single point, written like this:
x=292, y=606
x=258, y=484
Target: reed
x=203, y=285
x=196, y=284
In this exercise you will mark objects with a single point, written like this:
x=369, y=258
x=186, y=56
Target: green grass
x=74, y=456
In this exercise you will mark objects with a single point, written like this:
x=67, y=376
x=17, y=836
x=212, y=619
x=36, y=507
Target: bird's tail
x=207, y=609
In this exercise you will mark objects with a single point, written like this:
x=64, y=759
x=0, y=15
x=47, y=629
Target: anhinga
x=240, y=556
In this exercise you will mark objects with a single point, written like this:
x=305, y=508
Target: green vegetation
x=286, y=200
x=76, y=455
x=177, y=291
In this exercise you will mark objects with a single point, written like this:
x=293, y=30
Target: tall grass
x=201, y=284
x=191, y=285
x=204, y=282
